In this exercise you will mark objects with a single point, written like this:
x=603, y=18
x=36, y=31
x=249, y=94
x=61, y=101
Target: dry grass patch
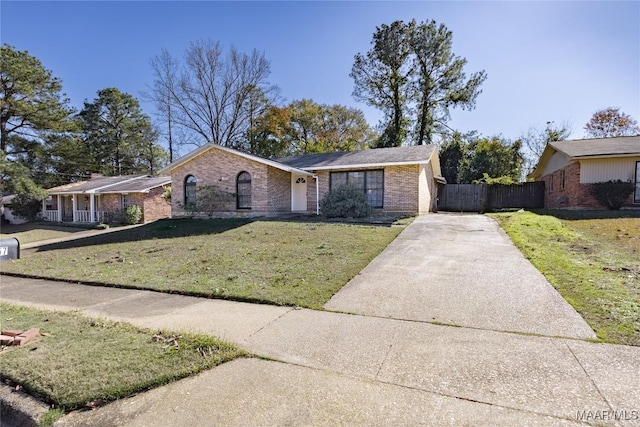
x=80, y=361
x=592, y=259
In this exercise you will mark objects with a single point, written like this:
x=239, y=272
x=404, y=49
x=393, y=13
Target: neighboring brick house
x=396, y=180
x=104, y=199
x=569, y=168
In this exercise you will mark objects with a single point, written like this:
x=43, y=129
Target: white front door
x=298, y=192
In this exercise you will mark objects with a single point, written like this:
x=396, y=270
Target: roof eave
x=605, y=156
x=210, y=145
x=367, y=165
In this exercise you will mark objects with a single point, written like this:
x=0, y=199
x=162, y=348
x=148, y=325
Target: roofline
x=211, y=145
x=111, y=185
x=144, y=190
x=591, y=156
x=100, y=190
x=373, y=165
x=605, y=156
x=366, y=165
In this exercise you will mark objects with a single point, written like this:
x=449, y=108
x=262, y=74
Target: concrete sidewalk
x=351, y=369
x=78, y=235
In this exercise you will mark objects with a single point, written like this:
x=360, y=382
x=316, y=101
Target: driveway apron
x=459, y=269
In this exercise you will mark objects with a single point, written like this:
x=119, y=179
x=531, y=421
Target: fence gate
x=483, y=197
x=460, y=197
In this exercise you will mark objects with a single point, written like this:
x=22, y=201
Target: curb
x=20, y=409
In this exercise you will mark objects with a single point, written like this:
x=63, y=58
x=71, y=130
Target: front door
x=298, y=193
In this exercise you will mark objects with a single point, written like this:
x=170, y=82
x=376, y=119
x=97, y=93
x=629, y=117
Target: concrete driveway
x=459, y=269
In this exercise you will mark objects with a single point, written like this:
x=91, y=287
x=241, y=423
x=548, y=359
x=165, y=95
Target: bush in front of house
x=345, y=201
x=611, y=194
x=132, y=214
x=26, y=206
x=212, y=199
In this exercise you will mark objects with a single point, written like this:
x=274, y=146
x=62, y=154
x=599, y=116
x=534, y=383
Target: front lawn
x=278, y=262
x=78, y=361
x=592, y=259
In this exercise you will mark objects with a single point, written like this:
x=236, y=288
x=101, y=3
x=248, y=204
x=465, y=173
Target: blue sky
x=545, y=60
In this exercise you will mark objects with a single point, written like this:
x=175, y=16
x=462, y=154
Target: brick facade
x=401, y=189
x=270, y=187
x=564, y=190
x=279, y=190
x=154, y=206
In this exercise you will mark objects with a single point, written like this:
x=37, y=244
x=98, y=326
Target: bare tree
x=165, y=72
x=213, y=97
x=535, y=140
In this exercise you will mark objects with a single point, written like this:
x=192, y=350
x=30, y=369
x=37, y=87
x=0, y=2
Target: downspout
x=317, y=195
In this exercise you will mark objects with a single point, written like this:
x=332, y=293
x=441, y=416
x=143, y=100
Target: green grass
x=79, y=360
x=592, y=259
x=278, y=262
x=35, y=232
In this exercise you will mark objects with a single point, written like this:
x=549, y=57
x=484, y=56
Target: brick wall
x=573, y=194
x=270, y=187
x=279, y=190
x=154, y=206
x=401, y=188
x=558, y=196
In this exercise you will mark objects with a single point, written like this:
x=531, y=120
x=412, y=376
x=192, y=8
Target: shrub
x=132, y=214
x=345, y=201
x=26, y=206
x=212, y=199
x=611, y=194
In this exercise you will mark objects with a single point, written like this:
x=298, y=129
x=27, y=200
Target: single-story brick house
x=568, y=168
x=400, y=180
x=104, y=199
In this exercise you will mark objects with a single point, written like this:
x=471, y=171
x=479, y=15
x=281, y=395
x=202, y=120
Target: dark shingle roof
x=622, y=145
x=377, y=156
x=139, y=185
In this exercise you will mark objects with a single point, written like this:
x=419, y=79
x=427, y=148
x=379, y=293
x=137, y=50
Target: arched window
x=190, y=191
x=243, y=190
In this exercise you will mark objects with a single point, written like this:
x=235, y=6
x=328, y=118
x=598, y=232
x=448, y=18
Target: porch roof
x=112, y=184
x=142, y=185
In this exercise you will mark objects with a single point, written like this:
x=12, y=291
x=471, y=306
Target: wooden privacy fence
x=484, y=197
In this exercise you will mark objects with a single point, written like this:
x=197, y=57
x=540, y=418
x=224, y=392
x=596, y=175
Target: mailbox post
x=9, y=249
